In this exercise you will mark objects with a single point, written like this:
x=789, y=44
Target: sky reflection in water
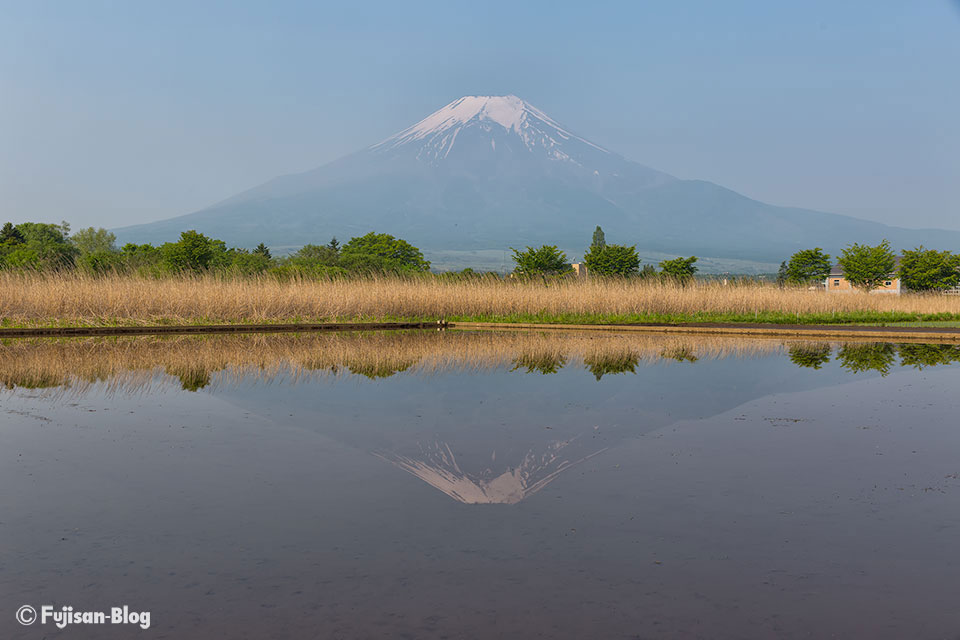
x=485, y=485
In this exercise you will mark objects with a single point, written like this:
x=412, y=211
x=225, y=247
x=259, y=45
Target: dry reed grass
x=138, y=363
x=75, y=299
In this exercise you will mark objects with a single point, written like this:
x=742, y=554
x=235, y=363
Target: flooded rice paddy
x=481, y=485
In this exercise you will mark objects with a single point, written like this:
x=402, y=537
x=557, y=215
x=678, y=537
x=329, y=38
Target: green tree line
x=51, y=247
x=601, y=259
x=869, y=267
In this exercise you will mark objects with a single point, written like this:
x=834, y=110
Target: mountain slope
x=491, y=172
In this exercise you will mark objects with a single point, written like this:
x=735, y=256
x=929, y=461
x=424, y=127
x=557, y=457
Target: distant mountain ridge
x=490, y=172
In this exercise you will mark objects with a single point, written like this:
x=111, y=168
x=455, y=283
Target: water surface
x=457, y=485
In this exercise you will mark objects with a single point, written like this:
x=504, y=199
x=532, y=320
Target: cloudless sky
x=113, y=113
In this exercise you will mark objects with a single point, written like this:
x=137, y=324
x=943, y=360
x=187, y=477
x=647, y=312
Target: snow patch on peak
x=438, y=131
x=506, y=111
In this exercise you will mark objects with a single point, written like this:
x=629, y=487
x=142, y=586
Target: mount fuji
x=489, y=172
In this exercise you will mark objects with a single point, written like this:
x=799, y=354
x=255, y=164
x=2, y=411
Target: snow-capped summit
x=506, y=119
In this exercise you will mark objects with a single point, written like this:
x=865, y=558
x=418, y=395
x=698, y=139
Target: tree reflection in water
x=812, y=356
x=611, y=363
x=199, y=362
x=857, y=358
x=542, y=363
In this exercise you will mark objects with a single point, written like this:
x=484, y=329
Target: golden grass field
x=74, y=299
x=137, y=363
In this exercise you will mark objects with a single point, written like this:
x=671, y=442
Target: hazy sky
x=113, y=113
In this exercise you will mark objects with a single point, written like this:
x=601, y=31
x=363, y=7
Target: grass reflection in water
x=195, y=362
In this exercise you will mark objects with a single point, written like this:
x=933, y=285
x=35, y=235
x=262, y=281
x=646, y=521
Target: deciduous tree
x=679, y=269
x=929, y=270
x=381, y=252
x=41, y=246
x=809, y=265
x=648, y=271
x=193, y=252
x=546, y=260
x=612, y=260
x=867, y=267
x=92, y=240
x=141, y=257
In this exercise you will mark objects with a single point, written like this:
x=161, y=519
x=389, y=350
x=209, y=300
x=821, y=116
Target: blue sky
x=113, y=113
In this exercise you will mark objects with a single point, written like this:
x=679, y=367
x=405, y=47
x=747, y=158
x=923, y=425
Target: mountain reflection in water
x=437, y=466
